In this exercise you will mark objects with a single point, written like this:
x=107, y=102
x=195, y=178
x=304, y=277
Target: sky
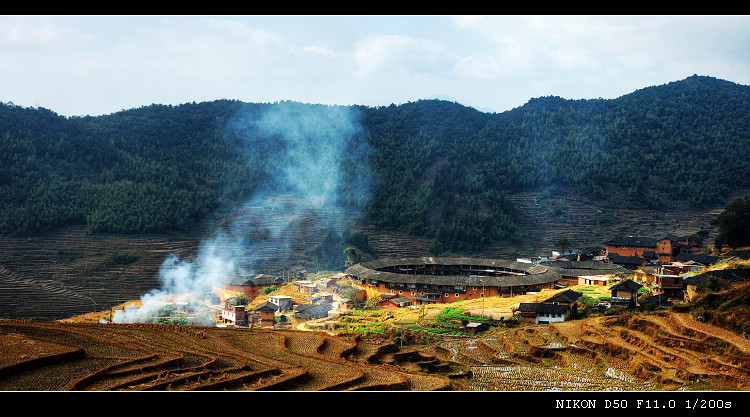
x=94, y=65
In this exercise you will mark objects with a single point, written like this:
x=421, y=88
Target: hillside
x=431, y=169
x=90, y=207
x=625, y=352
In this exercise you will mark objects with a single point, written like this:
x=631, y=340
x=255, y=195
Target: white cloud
x=96, y=65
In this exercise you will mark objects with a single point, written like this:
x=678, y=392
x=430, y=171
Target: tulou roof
x=473, y=271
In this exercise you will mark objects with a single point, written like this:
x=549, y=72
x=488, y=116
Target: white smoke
x=313, y=140
x=214, y=265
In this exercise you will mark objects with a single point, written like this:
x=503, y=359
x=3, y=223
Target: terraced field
x=638, y=352
x=52, y=356
x=69, y=272
x=627, y=352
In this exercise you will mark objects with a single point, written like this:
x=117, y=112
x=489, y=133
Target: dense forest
x=431, y=168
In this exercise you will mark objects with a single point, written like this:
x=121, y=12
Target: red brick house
x=662, y=249
x=250, y=286
x=267, y=313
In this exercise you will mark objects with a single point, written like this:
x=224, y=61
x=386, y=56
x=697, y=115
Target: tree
x=563, y=244
x=733, y=224
x=352, y=257
x=240, y=300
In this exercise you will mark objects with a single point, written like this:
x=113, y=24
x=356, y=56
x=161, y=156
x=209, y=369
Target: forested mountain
x=431, y=168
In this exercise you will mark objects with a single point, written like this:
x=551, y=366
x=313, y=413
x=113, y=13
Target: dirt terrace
x=52, y=356
x=630, y=352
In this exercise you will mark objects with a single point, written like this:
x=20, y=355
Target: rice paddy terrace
x=626, y=352
x=66, y=356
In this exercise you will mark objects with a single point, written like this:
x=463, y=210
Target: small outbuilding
x=395, y=302
x=267, y=312
x=625, y=293
x=476, y=327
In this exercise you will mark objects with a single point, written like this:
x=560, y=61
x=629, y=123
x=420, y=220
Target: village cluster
x=639, y=271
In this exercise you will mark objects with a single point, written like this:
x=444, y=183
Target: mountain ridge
x=432, y=168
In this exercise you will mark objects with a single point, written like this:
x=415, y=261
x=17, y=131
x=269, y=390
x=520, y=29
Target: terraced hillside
x=545, y=218
x=70, y=272
x=631, y=352
x=626, y=352
x=53, y=356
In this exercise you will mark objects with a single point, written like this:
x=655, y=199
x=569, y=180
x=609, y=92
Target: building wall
x=627, y=250
x=470, y=293
x=229, y=291
x=542, y=318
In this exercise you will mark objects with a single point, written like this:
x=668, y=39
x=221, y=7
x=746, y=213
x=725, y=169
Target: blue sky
x=92, y=65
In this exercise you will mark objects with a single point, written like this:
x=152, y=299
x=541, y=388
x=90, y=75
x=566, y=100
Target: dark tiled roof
x=566, y=296
x=400, y=301
x=266, y=306
x=626, y=260
x=257, y=280
x=697, y=257
x=629, y=284
x=729, y=275
x=517, y=273
x=264, y=279
x=542, y=308
x=575, y=269
x=638, y=241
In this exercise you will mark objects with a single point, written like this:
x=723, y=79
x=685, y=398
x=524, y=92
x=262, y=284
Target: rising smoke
x=311, y=144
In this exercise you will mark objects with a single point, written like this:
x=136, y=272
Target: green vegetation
x=429, y=168
x=724, y=305
x=734, y=224
x=340, y=250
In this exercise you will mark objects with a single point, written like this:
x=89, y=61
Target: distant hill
x=430, y=168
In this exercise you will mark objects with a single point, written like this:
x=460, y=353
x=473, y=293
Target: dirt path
x=740, y=342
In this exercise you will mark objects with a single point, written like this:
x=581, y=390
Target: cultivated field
x=639, y=352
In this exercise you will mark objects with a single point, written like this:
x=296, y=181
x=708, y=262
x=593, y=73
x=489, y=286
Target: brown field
x=631, y=352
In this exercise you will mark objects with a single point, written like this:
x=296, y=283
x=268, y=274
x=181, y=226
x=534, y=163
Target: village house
x=282, y=302
x=629, y=262
x=305, y=312
x=267, y=313
x=328, y=284
x=669, y=281
x=393, y=302
x=660, y=249
x=345, y=304
x=598, y=280
x=249, y=286
x=474, y=327
x=571, y=271
x=559, y=307
x=625, y=293
x=645, y=274
x=234, y=315
x=691, y=283
x=541, y=313
x=322, y=298
x=568, y=298
x=306, y=286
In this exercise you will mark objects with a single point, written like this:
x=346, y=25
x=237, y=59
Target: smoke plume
x=309, y=145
